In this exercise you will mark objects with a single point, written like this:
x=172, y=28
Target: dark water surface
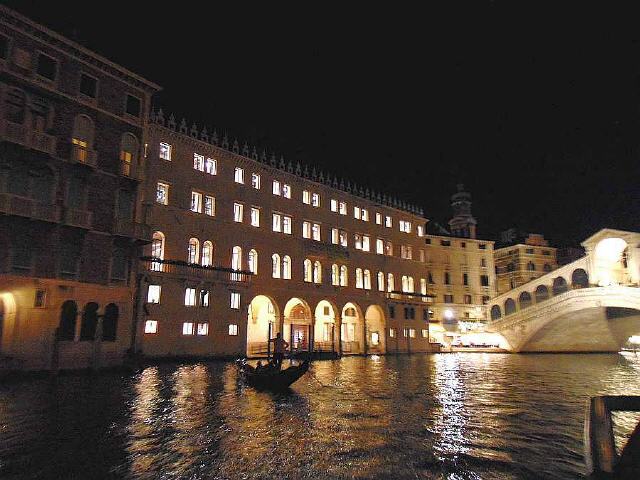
x=454, y=416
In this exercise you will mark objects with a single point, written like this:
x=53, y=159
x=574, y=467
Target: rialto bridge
x=589, y=305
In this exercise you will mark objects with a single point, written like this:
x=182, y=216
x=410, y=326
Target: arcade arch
x=325, y=335
x=352, y=329
x=298, y=324
x=262, y=324
x=375, y=329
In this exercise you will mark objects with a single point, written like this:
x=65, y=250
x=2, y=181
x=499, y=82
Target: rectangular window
x=306, y=197
x=277, y=222
x=211, y=166
x=255, y=181
x=409, y=252
x=153, y=295
x=286, y=225
x=465, y=279
x=422, y=257
x=364, y=215
x=209, y=205
x=196, y=202
x=388, y=222
x=484, y=280
x=89, y=87
x=380, y=246
x=334, y=205
x=392, y=311
x=151, y=326
x=235, y=300
x=420, y=229
x=165, y=151
x=357, y=241
x=203, y=329
x=315, y=232
x=255, y=217
x=467, y=299
x=342, y=208
x=47, y=67
x=162, y=193
x=198, y=162
x=365, y=243
x=483, y=246
x=448, y=298
x=315, y=200
x=40, y=298
x=133, y=106
x=233, y=329
x=343, y=238
x=238, y=210
x=392, y=333
x=238, y=175
x=189, y=297
x=276, y=188
x=187, y=328
x=445, y=243
x=306, y=229
x=334, y=236
x=286, y=191
x=356, y=212
x=412, y=332
x=405, y=332
x=205, y=296
x=424, y=333
x=378, y=218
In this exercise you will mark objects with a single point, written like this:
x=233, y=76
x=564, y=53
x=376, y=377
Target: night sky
x=534, y=107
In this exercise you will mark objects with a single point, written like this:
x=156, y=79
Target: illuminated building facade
x=246, y=245
x=71, y=130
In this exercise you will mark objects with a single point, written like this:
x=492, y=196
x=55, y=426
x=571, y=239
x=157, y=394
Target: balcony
x=177, y=268
x=27, y=207
x=24, y=135
x=131, y=229
x=78, y=218
x=410, y=297
x=84, y=155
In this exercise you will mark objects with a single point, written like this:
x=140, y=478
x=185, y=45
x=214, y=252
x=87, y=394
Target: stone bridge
x=590, y=305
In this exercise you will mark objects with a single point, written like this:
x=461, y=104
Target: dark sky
x=534, y=107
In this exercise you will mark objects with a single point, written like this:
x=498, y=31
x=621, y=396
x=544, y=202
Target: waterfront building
x=72, y=128
x=521, y=259
x=246, y=245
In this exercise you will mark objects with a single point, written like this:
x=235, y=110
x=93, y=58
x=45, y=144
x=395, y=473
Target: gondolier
x=279, y=347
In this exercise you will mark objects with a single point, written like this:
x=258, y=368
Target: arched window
x=344, y=276
x=317, y=272
x=423, y=286
x=367, y=280
x=524, y=300
x=496, y=313
x=253, y=261
x=579, y=278
x=89, y=321
x=128, y=153
x=390, y=283
x=157, y=250
x=236, y=258
x=68, y=314
x=509, y=306
x=275, y=265
x=82, y=140
x=207, y=254
x=359, y=278
x=110, y=323
x=335, y=275
x=388, y=248
x=559, y=285
x=541, y=293
x=286, y=267
x=193, y=250
x=380, y=281
x=404, y=284
x=531, y=267
x=308, y=271
x=410, y=286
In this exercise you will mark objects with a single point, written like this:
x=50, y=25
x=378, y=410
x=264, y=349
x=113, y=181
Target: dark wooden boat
x=270, y=378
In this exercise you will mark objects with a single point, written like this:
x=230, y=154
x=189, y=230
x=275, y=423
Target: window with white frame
x=255, y=217
x=233, y=329
x=367, y=279
x=344, y=277
x=334, y=205
x=153, y=294
x=189, y=297
x=308, y=271
x=315, y=232
x=335, y=275
x=193, y=250
x=165, y=151
x=196, y=202
x=187, y=328
x=275, y=265
x=306, y=197
x=207, y=254
x=317, y=272
x=380, y=281
x=405, y=226
x=366, y=243
x=277, y=222
x=388, y=248
x=357, y=241
x=203, y=328
x=286, y=225
x=238, y=211
x=335, y=236
x=252, y=261
x=151, y=326
x=277, y=189
x=356, y=212
x=239, y=175
x=342, y=208
x=235, y=300
x=388, y=222
x=359, y=278
x=211, y=166
x=286, y=267
x=378, y=218
x=379, y=246
x=315, y=200
x=306, y=229
x=344, y=238
x=364, y=215
x=286, y=191
x=162, y=193
x=209, y=205
x=198, y=162
x=255, y=181
x=391, y=284
x=420, y=230
x=205, y=296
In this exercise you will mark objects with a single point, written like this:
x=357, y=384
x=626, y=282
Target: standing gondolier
x=279, y=347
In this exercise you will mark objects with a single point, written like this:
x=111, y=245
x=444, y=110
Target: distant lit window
x=209, y=205
x=255, y=181
x=207, y=254
x=286, y=225
x=190, y=297
x=252, y=261
x=162, y=193
x=317, y=272
x=359, y=278
x=277, y=222
x=342, y=208
x=388, y=222
x=275, y=265
x=193, y=250
x=315, y=229
x=420, y=230
x=364, y=215
x=165, y=151
x=239, y=175
x=198, y=162
x=211, y=166
x=344, y=279
x=392, y=332
x=335, y=275
x=367, y=280
x=378, y=218
x=233, y=329
x=306, y=197
x=286, y=267
x=306, y=229
x=153, y=294
x=277, y=189
x=365, y=243
x=203, y=329
x=315, y=200
x=344, y=238
x=356, y=212
x=151, y=326
x=255, y=217
x=196, y=202
x=235, y=300
x=286, y=191
x=205, y=296
x=334, y=236
x=334, y=205
x=238, y=211
x=308, y=271
x=412, y=332
x=187, y=328
x=380, y=281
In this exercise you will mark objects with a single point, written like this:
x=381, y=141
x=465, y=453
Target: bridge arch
x=579, y=278
x=609, y=259
x=559, y=286
x=509, y=306
x=524, y=300
x=496, y=313
x=541, y=293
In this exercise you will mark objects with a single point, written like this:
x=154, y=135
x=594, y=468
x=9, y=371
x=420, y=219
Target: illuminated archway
x=352, y=329
x=375, y=329
x=609, y=261
x=298, y=324
x=325, y=334
x=262, y=322
x=7, y=320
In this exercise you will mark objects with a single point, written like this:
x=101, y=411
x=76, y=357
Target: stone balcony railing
x=182, y=269
x=410, y=297
x=131, y=229
x=27, y=207
x=24, y=135
x=78, y=218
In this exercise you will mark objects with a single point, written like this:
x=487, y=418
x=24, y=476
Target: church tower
x=462, y=224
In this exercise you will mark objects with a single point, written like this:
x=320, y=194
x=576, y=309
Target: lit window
x=380, y=246
x=306, y=229
x=357, y=241
x=198, y=162
x=286, y=267
x=359, y=278
x=162, y=193
x=151, y=326
x=252, y=261
x=308, y=272
x=207, y=253
x=165, y=153
x=365, y=243
x=190, y=297
x=344, y=279
x=209, y=205
x=378, y=218
x=255, y=217
x=306, y=197
x=335, y=275
x=187, y=328
x=317, y=272
x=423, y=286
x=409, y=252
x=233, y=329
x=334, y=205
x=286, y=190
x=277, y=222
x=203, y=329
x=316, y=232
x=211, y=166
x=235, y=300
x=153, y=295
x=205, y=295
x=276, y=188
x=412, y=332
x=238, y=209
x=392, y=332
x=343, y=238
x=239, y=175
x=342, y=208
x=196, y=202
x=425, y=333
x=275, y=265
x=334, y=236
x=356, y=212
x=255, y=181
x=390, y=283
x=388, y=248
x=236, y=260
x=420, y=229
x=286, y=225
x=367, y=280
x=380, y=281
x=193, y=250
x=315, y=200
x=364, y=215
x=388, y=222
x=421, y=254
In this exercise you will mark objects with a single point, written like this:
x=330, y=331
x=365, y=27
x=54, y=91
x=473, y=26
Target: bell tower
x=462, y=224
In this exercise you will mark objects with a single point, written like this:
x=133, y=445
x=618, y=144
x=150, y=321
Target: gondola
x=270, y=377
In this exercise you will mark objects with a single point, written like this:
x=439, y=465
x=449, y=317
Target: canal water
x=453, y=416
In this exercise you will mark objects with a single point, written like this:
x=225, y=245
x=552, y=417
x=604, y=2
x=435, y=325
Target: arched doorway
x=68, y=314
x=375, y=329
x=325, y=336
x=609, y=261
x=297, y=328
x=352, y=329
x=262, y=324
